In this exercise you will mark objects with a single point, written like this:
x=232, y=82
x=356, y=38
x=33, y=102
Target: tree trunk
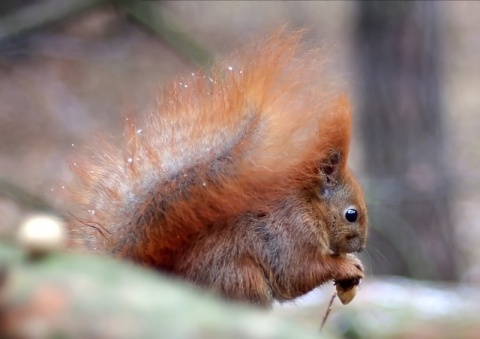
x=399, y=60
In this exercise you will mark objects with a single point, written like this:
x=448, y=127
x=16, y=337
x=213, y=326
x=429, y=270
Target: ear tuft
x=330, y=168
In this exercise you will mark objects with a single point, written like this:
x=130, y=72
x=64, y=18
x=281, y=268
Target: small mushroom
x=42, y=234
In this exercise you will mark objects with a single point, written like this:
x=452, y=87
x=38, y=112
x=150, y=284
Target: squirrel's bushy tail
x=213, y=147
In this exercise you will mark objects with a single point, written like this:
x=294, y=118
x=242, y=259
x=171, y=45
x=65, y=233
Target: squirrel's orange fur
x=237, y=181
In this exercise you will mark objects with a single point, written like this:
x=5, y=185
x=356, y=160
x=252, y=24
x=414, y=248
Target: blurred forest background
x=71, y=69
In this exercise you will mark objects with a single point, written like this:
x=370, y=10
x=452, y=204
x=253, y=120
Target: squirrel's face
x=343, y=207
x=346, y=215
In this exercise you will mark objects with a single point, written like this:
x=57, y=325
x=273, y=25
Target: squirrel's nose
x=354, y=242
x=352, y=236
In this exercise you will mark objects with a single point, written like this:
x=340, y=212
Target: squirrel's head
x=343, y=204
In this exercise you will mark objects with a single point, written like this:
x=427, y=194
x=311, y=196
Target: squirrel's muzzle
x=350, y=243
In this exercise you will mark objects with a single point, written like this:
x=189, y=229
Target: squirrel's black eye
x=351, y=215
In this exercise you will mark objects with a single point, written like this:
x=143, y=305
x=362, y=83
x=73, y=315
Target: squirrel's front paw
x=348, y=277
x=349, y=270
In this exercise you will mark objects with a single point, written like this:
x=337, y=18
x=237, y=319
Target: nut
x=346, y=296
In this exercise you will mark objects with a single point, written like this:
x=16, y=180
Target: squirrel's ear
x=329, y=169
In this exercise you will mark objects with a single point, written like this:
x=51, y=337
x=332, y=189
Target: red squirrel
x=237, y=181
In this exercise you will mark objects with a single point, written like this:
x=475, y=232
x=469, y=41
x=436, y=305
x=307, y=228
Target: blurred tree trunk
x=398, y=48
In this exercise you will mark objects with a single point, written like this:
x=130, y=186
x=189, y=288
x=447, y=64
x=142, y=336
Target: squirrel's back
x=213, y=147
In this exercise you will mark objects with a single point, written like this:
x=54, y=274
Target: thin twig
x=42, y=14
x=163, y=23
x=329, y=309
